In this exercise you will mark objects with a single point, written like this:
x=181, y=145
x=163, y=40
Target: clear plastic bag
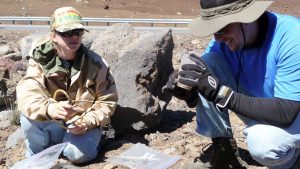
x=42, y=160
x=142, y=157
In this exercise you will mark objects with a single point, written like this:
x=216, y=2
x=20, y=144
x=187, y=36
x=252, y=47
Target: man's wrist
x=192, y=99
x=223, y=96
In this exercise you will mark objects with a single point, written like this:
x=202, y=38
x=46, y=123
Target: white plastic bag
x=142, y=157
x=42, y=160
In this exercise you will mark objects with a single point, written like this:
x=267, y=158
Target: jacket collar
x=46, y=55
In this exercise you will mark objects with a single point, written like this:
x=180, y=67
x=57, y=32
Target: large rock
x=10, y=73
x=4, y=49
x=140, y=63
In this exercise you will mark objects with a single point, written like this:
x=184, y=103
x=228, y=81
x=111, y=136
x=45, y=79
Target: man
x=68, y=93
x=252, y=67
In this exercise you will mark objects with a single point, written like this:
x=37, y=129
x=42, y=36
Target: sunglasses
x=67, y=34
x=221, y=31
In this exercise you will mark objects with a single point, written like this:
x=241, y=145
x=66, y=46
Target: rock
x=4, y=49
x=25, y=44
x=3, y=86
x=16, y=56
x=9, y=163
x=88, y=38
x=10, y=74
x=110, y=166
x=5, y=124
x=140, y=63
x=65, y=166
x=5, y=119
x=3, y=91
x=2, y=160
x=195, y=165
x=5, y=115
x=196, y=42
x=14, y=138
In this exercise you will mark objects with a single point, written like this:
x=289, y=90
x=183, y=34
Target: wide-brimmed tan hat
x=215, y=18
x=65, y=19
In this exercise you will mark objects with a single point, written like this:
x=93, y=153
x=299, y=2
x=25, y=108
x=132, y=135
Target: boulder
x=11, y=73
x=4, y=49
x=140, y=63
x=25, y=43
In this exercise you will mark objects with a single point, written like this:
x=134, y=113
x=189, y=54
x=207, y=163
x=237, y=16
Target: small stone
x=110, y=166
x=9, y=163
x=2, y=160
x=106, y=7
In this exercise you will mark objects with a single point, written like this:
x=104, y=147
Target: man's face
x=231, y=35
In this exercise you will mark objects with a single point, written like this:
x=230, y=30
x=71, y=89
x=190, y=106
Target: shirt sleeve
x=106, y=94
x=32, y=96
x=276, y=111
x=287, y=79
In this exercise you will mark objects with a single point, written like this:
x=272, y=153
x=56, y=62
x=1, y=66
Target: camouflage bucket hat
x=65, y=19
x=216, y=14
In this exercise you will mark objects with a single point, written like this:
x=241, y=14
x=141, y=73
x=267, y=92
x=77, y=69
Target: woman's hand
x=62, y=110
x=79, y=127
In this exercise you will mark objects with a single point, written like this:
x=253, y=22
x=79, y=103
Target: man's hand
x=172, y=88
x=190, y=96
x=199, y=76
x=62, y=110
x=171, y=84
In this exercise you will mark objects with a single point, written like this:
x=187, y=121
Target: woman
x=68, y=93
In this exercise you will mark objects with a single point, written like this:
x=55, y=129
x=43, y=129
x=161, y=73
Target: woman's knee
x=37, y=140
x=78, y=156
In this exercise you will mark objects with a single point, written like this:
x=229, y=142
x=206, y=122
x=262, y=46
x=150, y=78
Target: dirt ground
x=123, y=8
x=176, y=134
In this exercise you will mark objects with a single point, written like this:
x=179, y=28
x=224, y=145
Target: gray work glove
x=189, y=96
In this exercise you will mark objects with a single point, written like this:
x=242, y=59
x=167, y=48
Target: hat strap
x=227, y=9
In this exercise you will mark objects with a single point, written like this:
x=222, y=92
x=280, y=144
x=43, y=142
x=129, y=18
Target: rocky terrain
x=176, y=133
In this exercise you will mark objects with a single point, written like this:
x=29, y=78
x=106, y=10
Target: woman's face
x=231, y=35
x=68, y=41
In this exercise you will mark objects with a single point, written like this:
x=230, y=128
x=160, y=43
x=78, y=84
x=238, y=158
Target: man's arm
x=275, y=111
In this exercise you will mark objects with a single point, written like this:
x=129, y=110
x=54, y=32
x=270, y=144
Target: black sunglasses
x=221, y=31
x=77, y=32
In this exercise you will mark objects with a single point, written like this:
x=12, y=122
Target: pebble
x=2, y=160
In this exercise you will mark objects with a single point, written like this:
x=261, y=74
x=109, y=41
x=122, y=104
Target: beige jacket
x=88, y=83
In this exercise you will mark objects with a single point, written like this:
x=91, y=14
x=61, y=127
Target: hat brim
x=203, y=28
x=68, y=27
